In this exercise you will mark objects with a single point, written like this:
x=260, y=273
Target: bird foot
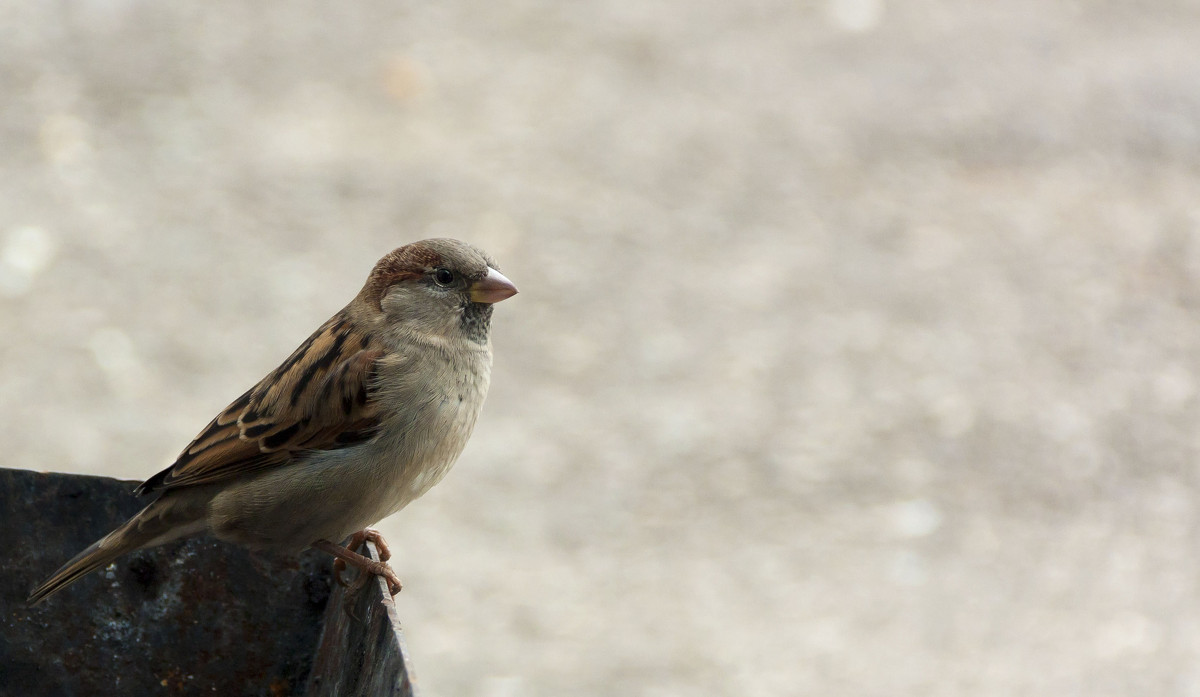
x=367, y=567
x=370, y=535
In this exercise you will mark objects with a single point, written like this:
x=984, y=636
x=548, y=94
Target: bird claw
x=377, y=568
x=393, y=581
x=338, y=567
x=366, y=566
x=370, y=535
x=355, y=588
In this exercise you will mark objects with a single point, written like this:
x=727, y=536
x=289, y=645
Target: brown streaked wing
x=316, y=400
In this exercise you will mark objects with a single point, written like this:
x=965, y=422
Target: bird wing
x=318, y=399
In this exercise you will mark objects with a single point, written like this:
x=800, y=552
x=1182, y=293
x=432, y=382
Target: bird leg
x=367, y=567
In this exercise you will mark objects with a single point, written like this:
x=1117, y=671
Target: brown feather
x=318, y=399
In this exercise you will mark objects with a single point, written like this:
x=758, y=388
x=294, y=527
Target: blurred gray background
x=856, y=351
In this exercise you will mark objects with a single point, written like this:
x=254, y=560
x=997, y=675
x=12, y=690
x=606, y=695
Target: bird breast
x=430, y=406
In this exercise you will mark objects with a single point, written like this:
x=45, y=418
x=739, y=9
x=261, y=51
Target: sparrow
x=359, y=421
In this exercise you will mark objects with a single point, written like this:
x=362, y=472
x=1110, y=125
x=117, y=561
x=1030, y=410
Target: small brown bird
x=368, y=414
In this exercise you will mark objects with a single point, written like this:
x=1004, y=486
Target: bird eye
x=443, y=277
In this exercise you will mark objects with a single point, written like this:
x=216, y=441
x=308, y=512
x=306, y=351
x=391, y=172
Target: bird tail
x=158, y=523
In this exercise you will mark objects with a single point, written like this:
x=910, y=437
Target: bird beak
x=492, y=288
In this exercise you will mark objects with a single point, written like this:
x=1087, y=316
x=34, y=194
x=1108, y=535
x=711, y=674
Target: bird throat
x=476, y=322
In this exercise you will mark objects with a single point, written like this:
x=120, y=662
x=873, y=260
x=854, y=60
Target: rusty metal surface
x=193, y=617
x=363, y=655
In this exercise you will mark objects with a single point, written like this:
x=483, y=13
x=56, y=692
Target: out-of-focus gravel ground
x=856, y=351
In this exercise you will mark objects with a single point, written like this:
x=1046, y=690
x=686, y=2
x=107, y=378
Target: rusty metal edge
x=363, y=653
x=393, y=615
